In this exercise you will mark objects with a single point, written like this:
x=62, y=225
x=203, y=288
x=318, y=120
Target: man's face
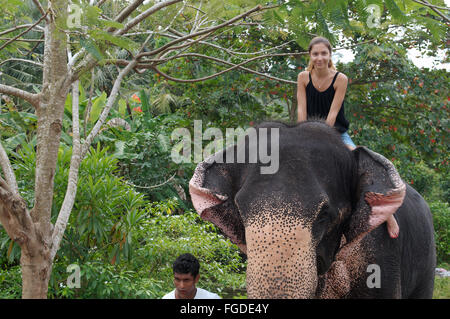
x=185, y=285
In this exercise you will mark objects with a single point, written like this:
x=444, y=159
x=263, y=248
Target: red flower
x=137, y=109
x=136, y=98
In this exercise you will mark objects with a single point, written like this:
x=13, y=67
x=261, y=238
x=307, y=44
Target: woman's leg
x=348, y=141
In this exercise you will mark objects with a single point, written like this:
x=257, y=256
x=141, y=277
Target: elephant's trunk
x=281, y=260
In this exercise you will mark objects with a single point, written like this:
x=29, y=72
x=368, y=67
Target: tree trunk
x=35, y=258
x=36, y=270
x=36, y=261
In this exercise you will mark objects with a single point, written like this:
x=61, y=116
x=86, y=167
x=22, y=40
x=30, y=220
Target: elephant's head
x=290, y=223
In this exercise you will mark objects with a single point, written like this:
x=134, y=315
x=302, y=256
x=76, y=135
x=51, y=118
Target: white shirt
x=200, y=294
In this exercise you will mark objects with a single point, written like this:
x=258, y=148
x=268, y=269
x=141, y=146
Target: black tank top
x=318, y=104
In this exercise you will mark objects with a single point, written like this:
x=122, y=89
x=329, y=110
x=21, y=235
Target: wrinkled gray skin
x=312, y=229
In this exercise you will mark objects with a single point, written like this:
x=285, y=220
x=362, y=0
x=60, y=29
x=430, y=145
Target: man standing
x=186, y=275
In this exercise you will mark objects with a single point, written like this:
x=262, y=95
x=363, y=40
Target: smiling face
x=185, y=285
x=320, y=55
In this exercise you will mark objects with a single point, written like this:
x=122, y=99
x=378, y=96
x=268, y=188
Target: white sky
x=413, y=54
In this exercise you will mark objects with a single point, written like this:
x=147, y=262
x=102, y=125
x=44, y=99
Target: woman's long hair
x=317, y=40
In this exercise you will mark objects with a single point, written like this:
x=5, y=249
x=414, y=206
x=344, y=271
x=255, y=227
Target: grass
x=441, y=288
x=442, y=285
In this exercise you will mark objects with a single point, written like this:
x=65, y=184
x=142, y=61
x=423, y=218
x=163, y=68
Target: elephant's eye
x=324, y=215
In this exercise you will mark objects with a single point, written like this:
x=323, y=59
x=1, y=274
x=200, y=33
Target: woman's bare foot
x=392, y=227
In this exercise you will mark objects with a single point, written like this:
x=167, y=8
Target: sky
x=414, y=55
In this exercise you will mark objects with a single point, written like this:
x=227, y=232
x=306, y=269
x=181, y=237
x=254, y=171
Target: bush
x=441, y=221
x=102, y=280
x=10, y=283
x=168, y=236
x=161, y=238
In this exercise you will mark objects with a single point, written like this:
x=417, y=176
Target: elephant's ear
x=380, y=192
x=213, y=188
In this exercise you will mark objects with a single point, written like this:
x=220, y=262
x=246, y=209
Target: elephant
x=316, y=228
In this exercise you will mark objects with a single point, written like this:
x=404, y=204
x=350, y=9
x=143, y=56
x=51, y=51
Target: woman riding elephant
x=325, y=98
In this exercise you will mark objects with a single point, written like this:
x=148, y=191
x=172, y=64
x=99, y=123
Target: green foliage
x=16, y=128
x=144, y=154
x=168, y=236
x=103, y=281
x=107, y=210
x=10, y=283
x=441, y=288
x=162, y=237
x=407, y=106
x=441, y=222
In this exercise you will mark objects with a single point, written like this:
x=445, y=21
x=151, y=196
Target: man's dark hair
x=186, y=264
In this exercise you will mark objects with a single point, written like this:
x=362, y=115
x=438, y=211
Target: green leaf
x=144, y=100
x=396, y=12
x=92, y=48
x=97, y=105
x=16, y=140
x=122, y=108
x=122, y=42
x=82, y=93
x=68, y=103
x=109, y=23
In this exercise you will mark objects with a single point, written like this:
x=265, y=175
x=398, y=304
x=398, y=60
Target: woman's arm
x=341, y=89
x=301, y=97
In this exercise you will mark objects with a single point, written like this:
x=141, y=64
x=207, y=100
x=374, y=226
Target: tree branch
x=225, y=49
x=41, y=9
x=233, y=66
x=22, y=40
x=18, y=28
x=152, y=186
x=75, y=162
x=89, y=62
x=128, y=10
x=430, y=5
x=31, y=98
x=22, y=33
x=108, y=106
x=8, y=171
x=206, y=31
x=434, y=8
x=22, y=60
x=14, y=215
x=145, y=14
